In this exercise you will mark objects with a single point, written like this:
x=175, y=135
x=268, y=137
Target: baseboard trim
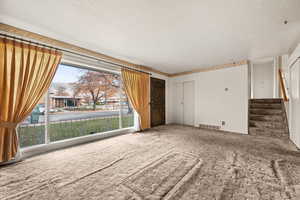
x=223, y=131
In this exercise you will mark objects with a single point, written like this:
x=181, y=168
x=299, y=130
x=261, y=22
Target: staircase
x=267, y=117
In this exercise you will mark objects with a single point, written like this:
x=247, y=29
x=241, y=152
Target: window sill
x=43, y=148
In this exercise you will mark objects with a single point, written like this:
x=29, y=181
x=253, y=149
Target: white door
x=189, y=103
x=178, y=106
x=263, y=80
x=295, y=104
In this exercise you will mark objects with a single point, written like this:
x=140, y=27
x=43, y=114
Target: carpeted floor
x=168, y=162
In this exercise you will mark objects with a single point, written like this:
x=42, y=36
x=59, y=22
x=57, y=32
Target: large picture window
x=79, y=102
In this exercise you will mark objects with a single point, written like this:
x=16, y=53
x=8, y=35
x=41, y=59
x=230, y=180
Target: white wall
x=264, y=77
x=294, y=94
x=212, y=103
x=295, y=103
x=263, y=80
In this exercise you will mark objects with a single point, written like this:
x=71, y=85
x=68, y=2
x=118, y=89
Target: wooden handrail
x=282, y=86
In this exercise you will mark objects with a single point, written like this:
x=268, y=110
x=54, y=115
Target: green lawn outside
x=33, y=135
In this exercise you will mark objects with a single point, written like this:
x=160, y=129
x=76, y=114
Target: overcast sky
x=67, y=74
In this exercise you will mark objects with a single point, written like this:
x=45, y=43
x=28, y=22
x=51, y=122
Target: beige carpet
x=168, y=162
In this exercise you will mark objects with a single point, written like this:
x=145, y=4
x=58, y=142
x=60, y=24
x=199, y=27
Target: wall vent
x=211, y=127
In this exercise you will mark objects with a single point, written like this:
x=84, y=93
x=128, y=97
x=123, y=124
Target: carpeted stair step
x=267, y=124
x=268, y=132
x=265, y=106
x=267, y=117
x=265, y=111
x=276, y=118
x=278, y=101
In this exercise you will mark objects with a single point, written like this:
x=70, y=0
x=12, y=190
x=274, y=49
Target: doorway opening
x=158, y=99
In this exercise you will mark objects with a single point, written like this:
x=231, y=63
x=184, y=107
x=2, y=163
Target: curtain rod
x=71, y=52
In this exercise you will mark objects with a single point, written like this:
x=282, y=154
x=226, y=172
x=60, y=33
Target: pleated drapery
x=137, y=88
x=26, y=72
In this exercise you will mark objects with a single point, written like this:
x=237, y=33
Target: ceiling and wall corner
x=211, y=68
x=170, y=36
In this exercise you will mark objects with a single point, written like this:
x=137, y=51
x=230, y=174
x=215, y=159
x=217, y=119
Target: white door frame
x=179, y=115
x=194, y=91
x=182, y=101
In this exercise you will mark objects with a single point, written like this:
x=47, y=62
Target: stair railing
x=282, y=85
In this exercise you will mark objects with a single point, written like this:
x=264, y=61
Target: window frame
x=53, y=145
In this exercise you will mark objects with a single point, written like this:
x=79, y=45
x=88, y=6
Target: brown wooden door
x=158, y=97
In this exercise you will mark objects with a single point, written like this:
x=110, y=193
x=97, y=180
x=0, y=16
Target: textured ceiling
x=171, y=35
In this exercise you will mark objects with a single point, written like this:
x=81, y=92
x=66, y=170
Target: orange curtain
x=26, y=73
x=137, y=88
